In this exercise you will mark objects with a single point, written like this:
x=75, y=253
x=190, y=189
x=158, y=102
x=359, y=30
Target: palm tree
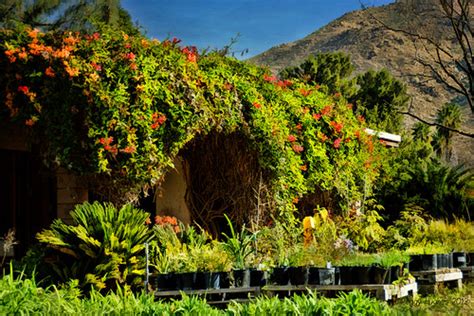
x=421, y=132
x=449, y=116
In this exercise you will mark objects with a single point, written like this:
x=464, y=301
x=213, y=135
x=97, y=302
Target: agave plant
x=102, y=247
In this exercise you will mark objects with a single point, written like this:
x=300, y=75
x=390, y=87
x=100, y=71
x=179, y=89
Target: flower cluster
x=170, y=221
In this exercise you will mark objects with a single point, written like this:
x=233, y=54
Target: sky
x=257, y=24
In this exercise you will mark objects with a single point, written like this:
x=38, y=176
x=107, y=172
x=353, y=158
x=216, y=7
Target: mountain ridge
x=374, y=46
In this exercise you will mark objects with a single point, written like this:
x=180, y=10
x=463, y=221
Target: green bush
x=102, y=247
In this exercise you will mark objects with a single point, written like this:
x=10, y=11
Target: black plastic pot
x=326, y=276
x=459, y=260
x=212, y=280
x=444, y=261
x=423, y=262
x=313, y=276
x=165, y=282
x=379, y=275
x=298, y=275
x=241, y=278
x=187, y=281
x=258, y=278
x=355, y=275
x=280, y=276
x=470, y=259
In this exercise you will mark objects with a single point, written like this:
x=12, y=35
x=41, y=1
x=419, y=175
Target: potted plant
x=239, y=247
x=212, y=264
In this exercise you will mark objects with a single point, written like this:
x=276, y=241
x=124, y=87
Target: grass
x=23, y=296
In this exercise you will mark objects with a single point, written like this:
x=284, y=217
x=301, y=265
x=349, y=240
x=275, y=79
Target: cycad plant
x=103, y=246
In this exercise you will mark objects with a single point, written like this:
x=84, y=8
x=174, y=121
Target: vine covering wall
x=122, y=107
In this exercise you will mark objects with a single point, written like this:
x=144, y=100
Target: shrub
x=102, y=247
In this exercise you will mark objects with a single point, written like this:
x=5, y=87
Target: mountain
x=364, y=34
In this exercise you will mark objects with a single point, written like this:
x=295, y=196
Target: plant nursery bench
x=384, y=292
x=214, y=296
x=430, y=281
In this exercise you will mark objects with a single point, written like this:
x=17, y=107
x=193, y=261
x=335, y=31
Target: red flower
x=176, y=40
x=291, y=138
x=357, y=134
x=128, y=45
x=50, y=72
x=96, y=36
x=96, y=66
x=269, y=78
x=23, y=89
x=130, y=56
x=326, y=110
x=360, y=118
x=297, y=148
x=30, y=122
x=350, y=106
x=316, y=116
x=337, y=126
x=337, y=95
x=299, y=126
x=337, y=143
x=317, y=87
x=133, y=66
x=106, y=140
x=158, y=120
x=257, y=105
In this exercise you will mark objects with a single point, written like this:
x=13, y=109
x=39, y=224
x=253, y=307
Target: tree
x=330, y=70
x=77, y=15
x=377, y=95
x=446, y=55
x=450, y=116
x=379, y=99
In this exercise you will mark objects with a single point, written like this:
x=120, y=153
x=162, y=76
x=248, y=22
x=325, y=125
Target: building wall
x=171, y=194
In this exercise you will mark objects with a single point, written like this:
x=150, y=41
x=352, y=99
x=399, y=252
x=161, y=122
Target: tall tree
x=450, y=116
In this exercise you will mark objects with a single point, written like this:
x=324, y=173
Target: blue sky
x=261, y=24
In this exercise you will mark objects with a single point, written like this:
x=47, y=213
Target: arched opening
x=217, y=174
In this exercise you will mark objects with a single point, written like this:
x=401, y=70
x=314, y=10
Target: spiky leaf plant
x=102, y=247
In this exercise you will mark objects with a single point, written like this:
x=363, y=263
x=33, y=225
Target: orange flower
x=297, y=148
x=337, y=126
x=257, y=105
x=30, y=122
x=71, y=40
x=316, y=116
x=23, y=55
x=305, y=92
x=50, y=72
x=33, y=33
x=337, y=143
x=326, y=110
x=303, y=168
x=61, y=53
x=148, y=221
x=128, y=150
